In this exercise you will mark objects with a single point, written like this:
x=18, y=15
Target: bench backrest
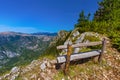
x=103, y=43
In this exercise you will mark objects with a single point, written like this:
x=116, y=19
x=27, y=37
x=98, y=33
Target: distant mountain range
x=18, y=48
x=45, y=33
x=37, y=33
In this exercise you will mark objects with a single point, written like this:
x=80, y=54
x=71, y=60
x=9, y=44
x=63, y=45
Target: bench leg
x=68, y=59
x=100, y=58
x=103, y=50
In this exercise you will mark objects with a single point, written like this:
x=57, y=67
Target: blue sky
x=30, y=16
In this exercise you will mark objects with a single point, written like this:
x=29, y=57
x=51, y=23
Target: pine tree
x=109, y=10
x=82, y=19
x=109, y=13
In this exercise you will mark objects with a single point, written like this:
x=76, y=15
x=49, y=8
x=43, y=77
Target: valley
x=20, y=48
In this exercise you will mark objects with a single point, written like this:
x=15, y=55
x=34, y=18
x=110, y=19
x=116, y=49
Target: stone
x=13, y=78
x=45, y=77
x=49, y=72
x=14, y=70
x=33, y=77
x=25, y=78
x=48, y=64
x=76, y=33
x=63, y=79
x=7, y=75
x=53, y=61
x=43, y=66
x=81, y=38
x=39, y=79
x=13, y=74
x=68, y=42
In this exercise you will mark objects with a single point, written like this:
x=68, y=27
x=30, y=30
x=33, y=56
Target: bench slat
x=80, y=45
x=62, y=59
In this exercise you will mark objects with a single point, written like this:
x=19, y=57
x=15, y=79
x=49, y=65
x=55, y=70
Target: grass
x=77, y=69
x=84, y=49
x=59, y=76
x=92, y=38
x=51, y=57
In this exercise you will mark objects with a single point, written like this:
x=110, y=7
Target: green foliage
x=92, y=38
x=85, y=49
x=82, y=20
x=59, y=76
x=107, y=10
x=110, y=10
x=106, y=21
x=115, y=37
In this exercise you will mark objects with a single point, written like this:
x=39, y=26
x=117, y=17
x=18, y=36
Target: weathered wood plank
x=62, y=59
x=80, y=45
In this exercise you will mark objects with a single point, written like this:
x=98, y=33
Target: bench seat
x=77, y=56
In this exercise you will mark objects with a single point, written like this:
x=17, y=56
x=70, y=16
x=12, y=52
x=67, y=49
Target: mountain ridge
x=28, y=34
x=45, y=33
x=15, y=46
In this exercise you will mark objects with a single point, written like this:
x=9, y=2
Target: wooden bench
x=77, y=56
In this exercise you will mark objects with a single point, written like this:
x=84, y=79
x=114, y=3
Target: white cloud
x=4, y=28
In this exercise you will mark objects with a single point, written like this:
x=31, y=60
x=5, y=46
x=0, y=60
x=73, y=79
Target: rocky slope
x=37, y=70
x=45, y=69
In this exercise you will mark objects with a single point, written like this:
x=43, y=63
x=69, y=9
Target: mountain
x=45, y=67
x=20, y=47
x=45, y=33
